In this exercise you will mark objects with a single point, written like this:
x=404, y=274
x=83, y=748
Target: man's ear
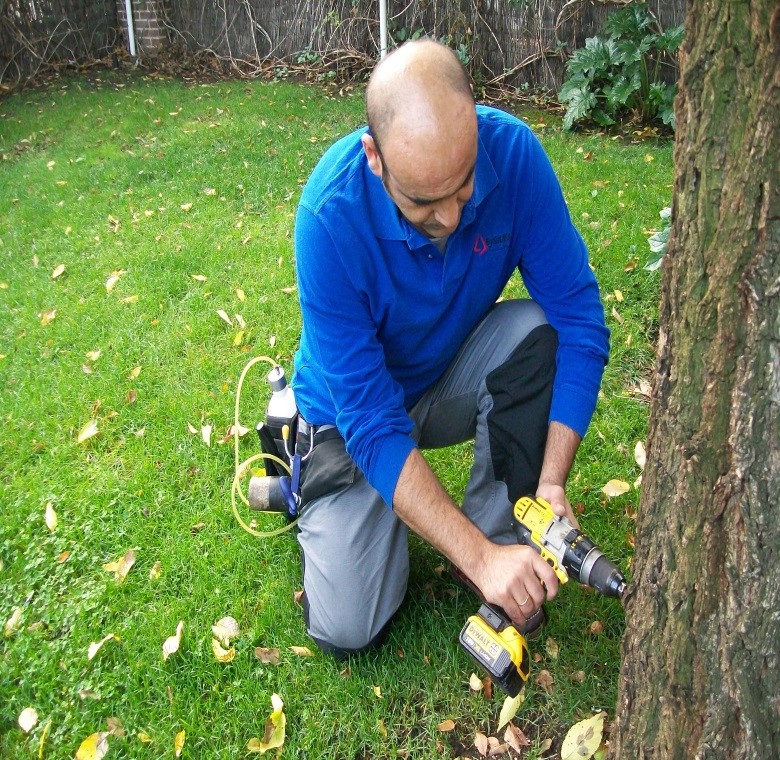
x=372, y=154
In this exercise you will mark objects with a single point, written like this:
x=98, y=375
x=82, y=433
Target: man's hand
x=558, y=501
x=559, y=453
x=517, y=579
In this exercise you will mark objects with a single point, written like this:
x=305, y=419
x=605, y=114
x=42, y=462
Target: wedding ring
x=524, y=601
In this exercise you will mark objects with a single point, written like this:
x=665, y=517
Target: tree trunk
x=700, y=676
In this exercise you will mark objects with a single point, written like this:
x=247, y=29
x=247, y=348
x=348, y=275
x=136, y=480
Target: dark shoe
x=530, y=628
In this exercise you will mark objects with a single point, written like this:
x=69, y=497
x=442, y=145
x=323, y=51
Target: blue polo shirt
x=385, y=312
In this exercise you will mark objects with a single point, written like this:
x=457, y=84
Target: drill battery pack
x=498, y=647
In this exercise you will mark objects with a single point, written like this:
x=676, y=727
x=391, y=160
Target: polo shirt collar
x=389, y=223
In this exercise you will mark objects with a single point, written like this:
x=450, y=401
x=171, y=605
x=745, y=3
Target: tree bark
x=700, y=676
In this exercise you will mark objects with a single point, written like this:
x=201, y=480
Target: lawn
x=145, y=258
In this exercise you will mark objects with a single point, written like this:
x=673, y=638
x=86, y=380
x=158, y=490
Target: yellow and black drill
x=489, y=636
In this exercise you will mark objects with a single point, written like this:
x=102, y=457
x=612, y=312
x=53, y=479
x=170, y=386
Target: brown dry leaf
x=497, y=749
x=94, y=747
x=481, y=743
x=178, y=743
x=95, y=647
x=172, y=643
x=551, y=647
x=578, y=677
x=515, y=738
x=28, y=719
x=115, y=727
x=223, y=315
x=48, y=316
x=58, y=271
x=597, y=628
x=62, y=557
x=268, y=655
x=446, y=725
x=616, y=488
x=121, y=567
x=302, y=651
x=50, y=517
x=222, y=655
x=226, y=629
x=545, y=680
x=197, y=528
x=640, y=455
x=131, y=397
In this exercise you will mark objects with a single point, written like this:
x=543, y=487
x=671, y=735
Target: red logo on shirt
x=480, y=246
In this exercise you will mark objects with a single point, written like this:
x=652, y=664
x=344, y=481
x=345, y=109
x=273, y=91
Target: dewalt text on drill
x=489, y=637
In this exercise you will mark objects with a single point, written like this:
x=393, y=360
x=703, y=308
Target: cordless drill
x=489, y=636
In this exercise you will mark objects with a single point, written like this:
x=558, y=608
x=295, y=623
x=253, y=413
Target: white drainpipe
x=382, y=28
x=130, y=27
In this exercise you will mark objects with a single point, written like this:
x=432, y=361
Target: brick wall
x=150, y=34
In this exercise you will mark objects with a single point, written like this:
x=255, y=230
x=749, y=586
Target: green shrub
x=618, y=75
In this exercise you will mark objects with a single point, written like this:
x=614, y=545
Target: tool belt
x=328, y=468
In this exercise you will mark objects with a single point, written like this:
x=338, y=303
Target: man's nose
x=447, y=213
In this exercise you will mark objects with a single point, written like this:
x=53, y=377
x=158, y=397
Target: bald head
x=421, y=85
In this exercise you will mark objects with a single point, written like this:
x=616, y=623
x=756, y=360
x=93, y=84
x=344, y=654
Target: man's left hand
x=556, y=495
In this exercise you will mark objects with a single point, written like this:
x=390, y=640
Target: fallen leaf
x=192, y=428
x=28, y=719
x=268, y=655
x=222, y=655
x=616, y=488
x=89, y=430
x=481, y=743
x=121, y=567
x=475, y=683
x=205, y=434
x=496, y=748
x=48, y=316
x=302, y=651
x=178, y=743
x=50, y=517
x=597, y=627
x=509, y=709
x=62, y=556
x=616, y=314
x=42, y=742
x=377, y=692
x=551, y=647
x=515, y=738
x=131, y=397
x=226, y=629
x=223, y=315
x=240, y=295
x=185, y=206
x=544, y=746
x=274, y=729
x=172, y=643
x=115, y=727
x=545, y=680
x=95, y=647
x=238, y=339
x=58, y=271
x=209, y=191
x=154, y=573
x=640, y=455
x=578, y=677
x=197, y=528
x=94, y=747
x=134, y=373
x=113, y=279
x=130, y=299
x=446, y=725
x=198, y=277
x=13, y=622
x=583, y=738
x=143, y=737
x=619, y=295
x=93, y=356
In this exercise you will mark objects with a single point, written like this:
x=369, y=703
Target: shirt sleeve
x=342, y=339
x=555, y=269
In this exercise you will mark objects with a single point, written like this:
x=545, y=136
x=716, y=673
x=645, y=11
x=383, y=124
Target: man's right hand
x=516, y=578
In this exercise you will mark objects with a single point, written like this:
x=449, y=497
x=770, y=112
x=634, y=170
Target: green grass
x=95, y=175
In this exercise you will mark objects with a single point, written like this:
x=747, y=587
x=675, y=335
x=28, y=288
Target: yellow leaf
x=95, y=647
x=94, y=747
x=222, y=655
x=209, y=191
x=241, y=295
x=274, y=729
x=223, y=316
x=649, y=157
x=583, y=738
x=302, y=651
x=113, y=279
x=93, y=356
x=619, y=295
x=640, y=455
x=239, y=338
x=616, y=488
x=50, y=517
x=130, y=299
x=509, y=709
x=378, y=692
x=28, y=719
x=89, y=430
x=48, y=316
x=205, y=434
x=171, y=644
x=13, y=622
x=42, y=742
x=240, y=321
x=186, y=206
x=551, y=646
x=156, y=570
x=192, y=428
x=58, y=271
x=178, y=743
x=198, y=277
x=144, y=738
x=475, y=682
x=446, y=725
x=122, y=566
x=134, y=373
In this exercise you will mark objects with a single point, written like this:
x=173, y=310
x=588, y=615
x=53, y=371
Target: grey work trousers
x=355, y=549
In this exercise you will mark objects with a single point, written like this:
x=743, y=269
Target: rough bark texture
x=701, y=655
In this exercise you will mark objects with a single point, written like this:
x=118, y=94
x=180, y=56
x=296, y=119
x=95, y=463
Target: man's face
x=436, y=213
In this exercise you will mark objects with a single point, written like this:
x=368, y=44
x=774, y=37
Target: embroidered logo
x=480, y=246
